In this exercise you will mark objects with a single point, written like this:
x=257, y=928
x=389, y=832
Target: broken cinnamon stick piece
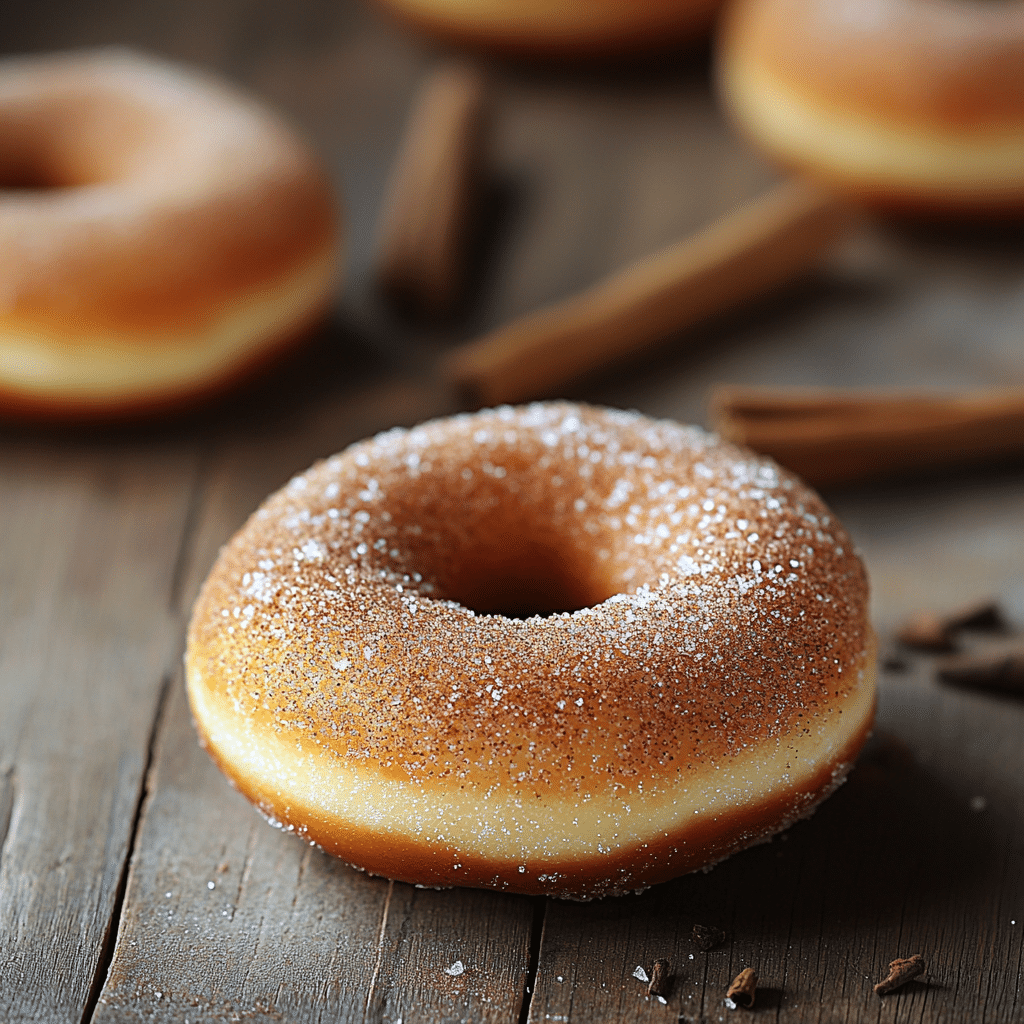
x=660, y=979
x=1001, y=668
x=746, y=254
x=742, y=990
x=429, y=203
x=900, y=972
x=838, y=436
x=933, y=631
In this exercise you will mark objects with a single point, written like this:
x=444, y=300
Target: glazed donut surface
x=160, y=234
x=362, y=661
x=560, y=27
x=903, y=103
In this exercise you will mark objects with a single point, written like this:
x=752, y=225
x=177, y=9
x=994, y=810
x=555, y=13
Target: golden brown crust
x=556, y=28
x=947, y=64
x=876, y=96
x=613, y=872
x=159, y=206
x=335, y=668
x=27, y=408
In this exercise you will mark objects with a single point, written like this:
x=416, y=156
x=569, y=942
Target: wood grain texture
x=599, y=167
x=91, y=540
x=226, y=918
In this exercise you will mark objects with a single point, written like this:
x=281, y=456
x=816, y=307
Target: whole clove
x=742, y=990
x=660, y=979
x=900, y=972
x=706, y=937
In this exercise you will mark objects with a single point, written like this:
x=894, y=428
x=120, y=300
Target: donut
x=913, y=105
x=559, y=28
x=551, y=649
x=160, y=235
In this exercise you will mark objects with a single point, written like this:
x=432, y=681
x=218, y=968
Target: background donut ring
x=905, y=104
x=160, y=235
x=560, y=28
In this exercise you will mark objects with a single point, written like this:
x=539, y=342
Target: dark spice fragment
x=661, y=980
x=706, y=937
x=742, y=990
x=900, y=972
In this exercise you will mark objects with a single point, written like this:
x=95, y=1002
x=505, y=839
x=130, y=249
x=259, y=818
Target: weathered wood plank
x=456, y=955
x=224, y=916
x=605, y=166
x=91, y=540
x=286, y=932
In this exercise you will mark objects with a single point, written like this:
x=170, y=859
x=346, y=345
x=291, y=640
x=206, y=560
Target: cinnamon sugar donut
x=160, y=234
x=913, y=104
x=560, y=27
x=552, y=649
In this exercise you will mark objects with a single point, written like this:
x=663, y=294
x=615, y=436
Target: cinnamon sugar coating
x=703, y=617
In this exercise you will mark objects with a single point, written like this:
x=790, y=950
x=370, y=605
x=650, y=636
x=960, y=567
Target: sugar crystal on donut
x=552, y=649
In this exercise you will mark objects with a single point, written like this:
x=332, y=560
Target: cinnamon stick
x=998, y=668
x=429, y=202
x=746, y=254
x=838, y=436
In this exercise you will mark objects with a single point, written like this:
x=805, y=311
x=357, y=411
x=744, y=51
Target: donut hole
x=505, y=552
x=67, y=141
x=39, y=169
x=30, y=164
x=17, y=175
x=521, y=578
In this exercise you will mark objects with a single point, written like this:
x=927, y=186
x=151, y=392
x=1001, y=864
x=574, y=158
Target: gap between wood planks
x=380, y=948
x=177, y=582
x=179, y=574
x=8, y=783
x=540, y=906
x=113, y=925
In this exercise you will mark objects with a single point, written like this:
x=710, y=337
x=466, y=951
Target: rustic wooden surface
x=135, y=885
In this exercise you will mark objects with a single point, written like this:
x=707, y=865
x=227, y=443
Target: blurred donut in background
x=913, y=105
x=560, y=28
x=160, y=235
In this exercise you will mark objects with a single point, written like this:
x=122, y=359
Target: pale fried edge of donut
x=111, y=370
x=527, y=36
x=484, y=852
x=894, y=163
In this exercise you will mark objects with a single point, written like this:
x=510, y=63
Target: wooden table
x=136, y=885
